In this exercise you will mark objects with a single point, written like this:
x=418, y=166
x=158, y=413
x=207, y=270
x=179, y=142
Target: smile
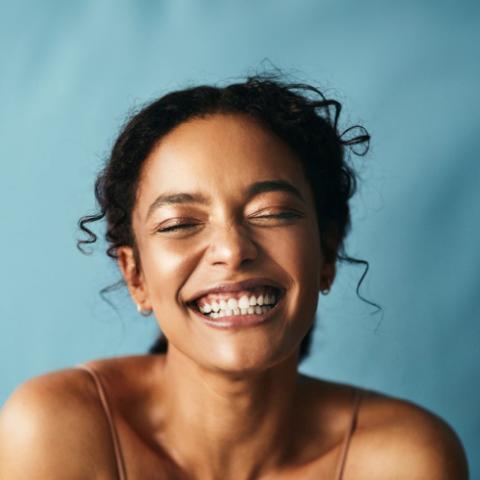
x=244, y=308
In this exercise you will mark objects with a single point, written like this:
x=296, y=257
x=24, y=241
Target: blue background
x=409, y=71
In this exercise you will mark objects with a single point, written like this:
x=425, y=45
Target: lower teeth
x=237, y=312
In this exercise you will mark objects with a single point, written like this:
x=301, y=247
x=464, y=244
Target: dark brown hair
x=297, y=113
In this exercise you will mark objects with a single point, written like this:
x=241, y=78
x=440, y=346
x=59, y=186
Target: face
x=222, y=200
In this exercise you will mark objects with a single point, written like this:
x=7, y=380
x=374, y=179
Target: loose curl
x=297, y=113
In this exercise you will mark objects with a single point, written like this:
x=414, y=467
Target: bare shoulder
x=52, y=426
x=398, y=439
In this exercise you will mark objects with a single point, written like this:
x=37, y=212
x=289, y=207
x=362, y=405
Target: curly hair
x=297, y=113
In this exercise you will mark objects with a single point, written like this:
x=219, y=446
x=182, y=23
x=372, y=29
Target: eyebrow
x=176, y=198
x=273, y=186
x=253, y=190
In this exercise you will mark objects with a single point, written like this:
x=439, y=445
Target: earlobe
x=327, y=277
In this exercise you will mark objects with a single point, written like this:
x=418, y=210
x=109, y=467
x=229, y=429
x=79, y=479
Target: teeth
x=232, y=303
x=243, y=306
x=269, y=299
x=244, y=302
x=257, y=310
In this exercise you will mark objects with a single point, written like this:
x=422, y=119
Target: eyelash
x=176, y=227
x=183, y=226
x=281, y=215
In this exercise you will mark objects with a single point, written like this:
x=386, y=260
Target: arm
x=408, y=442
x=50, y=429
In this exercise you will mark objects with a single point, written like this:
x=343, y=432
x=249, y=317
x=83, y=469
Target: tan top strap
x=111, y=423
x=357, y=393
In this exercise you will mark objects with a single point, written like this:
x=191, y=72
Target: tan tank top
x=120, y=463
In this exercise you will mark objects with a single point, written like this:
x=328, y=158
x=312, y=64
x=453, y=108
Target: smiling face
x=223, y=200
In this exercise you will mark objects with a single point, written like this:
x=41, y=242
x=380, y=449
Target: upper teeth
x=244, y=302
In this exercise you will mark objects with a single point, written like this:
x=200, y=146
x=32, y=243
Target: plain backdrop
x=409, y=71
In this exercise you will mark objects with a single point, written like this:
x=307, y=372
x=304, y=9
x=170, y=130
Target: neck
x=222, y=426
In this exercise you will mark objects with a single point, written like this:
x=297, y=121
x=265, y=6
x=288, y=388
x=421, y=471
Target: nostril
x=232, y=247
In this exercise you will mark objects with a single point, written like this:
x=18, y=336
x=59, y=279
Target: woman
x=226, y=209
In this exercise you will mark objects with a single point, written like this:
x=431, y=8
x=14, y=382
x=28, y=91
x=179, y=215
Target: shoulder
x=396, y=438
x=50, y=425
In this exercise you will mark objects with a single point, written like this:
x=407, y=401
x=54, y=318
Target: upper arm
x=411, y=443
x=48, y=431
x=433, y=450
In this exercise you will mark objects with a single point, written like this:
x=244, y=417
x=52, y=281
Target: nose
x=231, y=246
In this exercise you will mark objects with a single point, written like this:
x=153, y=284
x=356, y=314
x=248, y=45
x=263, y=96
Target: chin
x=246, y=359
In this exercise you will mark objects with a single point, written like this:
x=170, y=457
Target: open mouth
x=255, y=302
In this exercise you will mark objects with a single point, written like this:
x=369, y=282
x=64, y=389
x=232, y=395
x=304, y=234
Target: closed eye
x=176, y=227
x=285, y=215
x=181, y=226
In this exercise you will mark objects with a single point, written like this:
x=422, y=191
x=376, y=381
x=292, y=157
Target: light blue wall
x=410, y=71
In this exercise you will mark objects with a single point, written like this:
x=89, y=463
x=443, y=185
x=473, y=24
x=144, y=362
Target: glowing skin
x=231, y=239
x=221, y=404
x=229, y=393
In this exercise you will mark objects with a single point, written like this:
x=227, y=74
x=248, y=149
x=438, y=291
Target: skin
x=221, y=404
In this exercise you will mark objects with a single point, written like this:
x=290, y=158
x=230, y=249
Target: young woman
x=226, y=210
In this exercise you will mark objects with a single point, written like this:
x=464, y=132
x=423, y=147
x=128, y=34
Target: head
x=269, y=185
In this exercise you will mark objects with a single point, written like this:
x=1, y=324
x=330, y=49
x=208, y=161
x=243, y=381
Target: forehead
x=220, y=153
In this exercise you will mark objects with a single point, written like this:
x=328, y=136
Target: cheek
x=300, y=254
x=301, y=257
x=165, y=270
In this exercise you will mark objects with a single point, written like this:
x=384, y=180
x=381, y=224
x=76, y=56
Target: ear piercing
x=327, y=282
x=145, y=312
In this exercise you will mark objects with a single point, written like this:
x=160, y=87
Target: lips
x=229, y=321
x=231, y=305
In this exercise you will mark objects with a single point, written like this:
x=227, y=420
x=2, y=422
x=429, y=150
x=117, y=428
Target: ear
x=329, y=249
x=133, y=277
x=327, y=275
